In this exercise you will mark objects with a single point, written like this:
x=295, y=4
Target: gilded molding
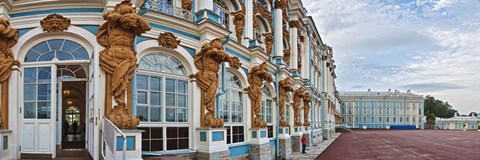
x=297, y=98
x=284, y=87
x=256, y=76
x=299, y=54
x=187, y=4
x=239, y=21
x=294, y=24
x=168, y=40
x=207, y=61
x=281, y=4
x=119, y=61
x=55, y=23
x=268, y=42
x=287, y=55
x=8, y=38
x=306, y=108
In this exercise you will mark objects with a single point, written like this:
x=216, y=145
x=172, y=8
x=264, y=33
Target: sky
x=431, y=47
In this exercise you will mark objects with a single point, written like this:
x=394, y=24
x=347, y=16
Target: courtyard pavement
x=313, y=151
x=405, y=145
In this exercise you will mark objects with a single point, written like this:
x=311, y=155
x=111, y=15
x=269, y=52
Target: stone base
x=222, y=155
x=134, y=144
x=326, y=134
x=297, y=143
x=260, y=152
x=212, y=144
x=285, y=148
x=5, y=140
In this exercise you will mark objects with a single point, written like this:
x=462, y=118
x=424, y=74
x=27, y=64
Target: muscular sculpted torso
x=306, y=108
x=256, y=76
x=118, y=59
x=8, y=38
x=207, y=62
x=297, y=97
x=284, y=87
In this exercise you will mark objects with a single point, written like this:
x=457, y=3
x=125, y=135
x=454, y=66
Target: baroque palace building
x=205, y=79
x=382, y=110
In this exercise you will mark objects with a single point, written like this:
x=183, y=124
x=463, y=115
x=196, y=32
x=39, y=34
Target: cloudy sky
x=429, y=46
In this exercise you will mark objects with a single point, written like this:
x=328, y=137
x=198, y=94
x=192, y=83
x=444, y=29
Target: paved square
x=405, y=145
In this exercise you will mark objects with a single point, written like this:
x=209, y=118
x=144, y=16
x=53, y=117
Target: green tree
x=437, y=108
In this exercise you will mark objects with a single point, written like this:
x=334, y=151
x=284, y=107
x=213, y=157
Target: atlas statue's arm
x=234, y=62
x=143, y=26
x=102, y=35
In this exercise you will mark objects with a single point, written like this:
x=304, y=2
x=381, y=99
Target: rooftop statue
x=119, y=61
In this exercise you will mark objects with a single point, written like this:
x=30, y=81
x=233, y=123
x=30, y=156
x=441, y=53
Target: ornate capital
x=281, y=4
x=55, y=23
x=294, y=24
x=168, y=40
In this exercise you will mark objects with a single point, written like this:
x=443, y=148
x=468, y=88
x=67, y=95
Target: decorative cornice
x=168, y=40
x=55, y=23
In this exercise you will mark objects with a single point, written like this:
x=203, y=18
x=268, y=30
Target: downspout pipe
x=277, y=142
x=224, y=79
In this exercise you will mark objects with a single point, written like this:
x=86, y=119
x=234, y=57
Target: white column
x=278, y=33
x=249, y=19
x=13, y=111
x=204, y=4
x=294, y=48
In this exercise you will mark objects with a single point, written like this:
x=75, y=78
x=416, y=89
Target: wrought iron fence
x=163, y=6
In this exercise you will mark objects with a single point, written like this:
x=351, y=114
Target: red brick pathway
x=405, y=145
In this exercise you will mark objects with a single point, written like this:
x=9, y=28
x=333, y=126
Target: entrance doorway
x=73, y=108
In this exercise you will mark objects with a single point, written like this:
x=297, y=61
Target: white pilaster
x=249, y=19
x=294, y=50
x=278, y=33
x=306, y=57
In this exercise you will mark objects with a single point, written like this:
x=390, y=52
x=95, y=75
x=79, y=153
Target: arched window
x=60, y=49
x=161, y=100
x=72, y=114
x=231, y=109
x=257, y=32
x=220, y=8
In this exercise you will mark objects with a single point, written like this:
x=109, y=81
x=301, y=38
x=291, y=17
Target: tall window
x=220, y=8
x=266, y=105
x=267, y=109
x=287, y=109
x=231, y=109
x=72, y=114
x=37, y=83
x=162, y=99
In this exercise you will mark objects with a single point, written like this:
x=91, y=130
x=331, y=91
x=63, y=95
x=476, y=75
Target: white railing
x=109, y=138
x=158, y=6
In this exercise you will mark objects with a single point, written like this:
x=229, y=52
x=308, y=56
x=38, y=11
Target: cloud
x=429, y=87
x=429, y=46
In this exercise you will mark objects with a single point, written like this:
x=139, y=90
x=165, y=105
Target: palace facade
x=226, y=79
x=459, y=122
x=382, y=110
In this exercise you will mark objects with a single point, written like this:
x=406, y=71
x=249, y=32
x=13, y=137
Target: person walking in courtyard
x=304, y=144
